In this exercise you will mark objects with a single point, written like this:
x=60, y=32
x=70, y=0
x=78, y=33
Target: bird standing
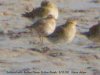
x=65, y=32
x=46, y=8
x=94, y=33
x=44, y=27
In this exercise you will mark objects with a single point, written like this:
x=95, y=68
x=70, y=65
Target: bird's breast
x=70, y=34
x=50, y=29
x=54, y=12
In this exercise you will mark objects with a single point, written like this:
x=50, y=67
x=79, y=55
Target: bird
x=44, y=27
x=94, y=33
x=64, y=33
x=46, y=8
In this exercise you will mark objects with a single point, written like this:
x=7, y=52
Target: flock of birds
x=45, y=25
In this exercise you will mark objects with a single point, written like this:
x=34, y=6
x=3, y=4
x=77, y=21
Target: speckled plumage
x=94, y=33
x=44, y=27
x=65, y=32
x=47, y=8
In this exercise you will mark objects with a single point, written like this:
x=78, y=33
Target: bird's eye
x=71, y=22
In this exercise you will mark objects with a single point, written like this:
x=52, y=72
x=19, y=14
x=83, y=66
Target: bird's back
x=95, y=29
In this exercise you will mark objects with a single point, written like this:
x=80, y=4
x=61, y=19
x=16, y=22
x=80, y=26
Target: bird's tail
x=29, y=14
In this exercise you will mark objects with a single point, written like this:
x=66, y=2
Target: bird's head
x=46, y=3
x=71, y=22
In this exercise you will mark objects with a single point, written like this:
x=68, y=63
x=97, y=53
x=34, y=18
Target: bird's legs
x=41, y=39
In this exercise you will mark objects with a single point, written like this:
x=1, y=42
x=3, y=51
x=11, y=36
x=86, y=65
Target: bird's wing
x=33, y=13
x=38, y=23
x=43, y=12
x=58, y=32
x=57, y=36
x=94, y=29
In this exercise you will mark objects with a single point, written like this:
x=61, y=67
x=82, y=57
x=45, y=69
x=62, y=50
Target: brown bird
x=44, y=27
x=94, y=33
x=46, y=8
x=65, y=32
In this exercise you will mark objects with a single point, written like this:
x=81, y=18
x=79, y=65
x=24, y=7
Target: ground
x=20, y=55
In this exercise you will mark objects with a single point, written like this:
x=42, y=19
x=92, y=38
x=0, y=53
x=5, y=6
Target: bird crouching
x=47, y=8
x=64, y=33
x=94, y=33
